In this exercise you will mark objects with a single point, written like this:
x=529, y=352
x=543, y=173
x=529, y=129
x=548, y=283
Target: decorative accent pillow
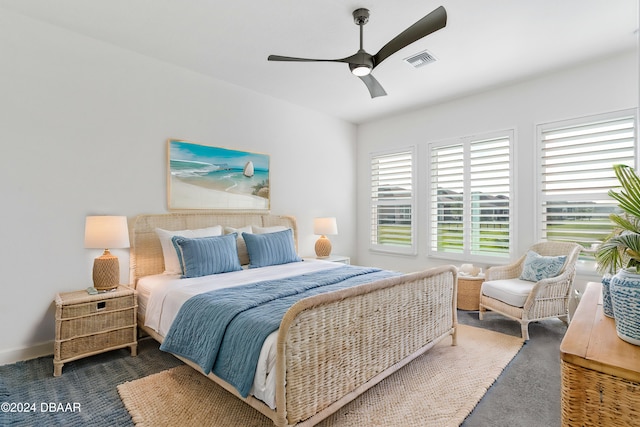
x=171, y=262
x=265, y=230
x=203, y=256
x=243, y=255
x=271, y=248
x=537, y=267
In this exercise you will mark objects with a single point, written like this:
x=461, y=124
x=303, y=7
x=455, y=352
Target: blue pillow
x=202, y=256
x=537, y=267
x=271, y=248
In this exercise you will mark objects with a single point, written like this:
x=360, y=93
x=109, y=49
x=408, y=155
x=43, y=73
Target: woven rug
x=440, y=388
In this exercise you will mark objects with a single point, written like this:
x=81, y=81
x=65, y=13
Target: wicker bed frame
x=368, y=332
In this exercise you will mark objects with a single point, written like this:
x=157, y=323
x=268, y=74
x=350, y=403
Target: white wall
x=608, y=85
x=84, y=128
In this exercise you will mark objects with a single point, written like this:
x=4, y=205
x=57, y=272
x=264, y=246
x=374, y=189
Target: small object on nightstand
x=90, y=324
x=470, y=270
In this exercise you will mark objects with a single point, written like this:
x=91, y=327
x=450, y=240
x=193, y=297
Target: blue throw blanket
x=223, y=330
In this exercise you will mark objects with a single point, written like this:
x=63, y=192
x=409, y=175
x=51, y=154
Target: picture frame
x=208, y=177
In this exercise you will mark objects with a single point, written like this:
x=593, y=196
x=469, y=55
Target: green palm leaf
x=622, y=247
x=629, y=196
x=625, y=223
x=619, y=251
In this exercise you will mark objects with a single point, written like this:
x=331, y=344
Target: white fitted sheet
x=162, y=295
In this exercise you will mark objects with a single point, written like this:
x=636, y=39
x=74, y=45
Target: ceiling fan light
x=361, y=70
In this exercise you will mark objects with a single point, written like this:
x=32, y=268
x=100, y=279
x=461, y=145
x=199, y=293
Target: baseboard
x=17, y=355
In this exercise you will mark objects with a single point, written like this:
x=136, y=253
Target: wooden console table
x=600, y=372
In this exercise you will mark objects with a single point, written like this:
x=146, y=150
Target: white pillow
x=171, y=262
x=265, y=230
x=243, y=254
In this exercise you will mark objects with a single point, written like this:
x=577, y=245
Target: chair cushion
x=510, y=291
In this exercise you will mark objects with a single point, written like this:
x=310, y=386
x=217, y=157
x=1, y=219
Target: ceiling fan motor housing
x=361, y=16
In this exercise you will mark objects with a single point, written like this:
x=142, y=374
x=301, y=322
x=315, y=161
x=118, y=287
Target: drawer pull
x=101, y=305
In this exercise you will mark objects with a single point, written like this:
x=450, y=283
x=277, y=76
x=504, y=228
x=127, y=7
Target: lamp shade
x=325, y=226
x=106, y=232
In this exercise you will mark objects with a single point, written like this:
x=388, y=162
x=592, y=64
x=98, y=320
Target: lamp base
x=106, y=271
x=323, y=247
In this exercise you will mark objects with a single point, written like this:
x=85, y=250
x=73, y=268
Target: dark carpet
x=90, y=382
x=526, y=394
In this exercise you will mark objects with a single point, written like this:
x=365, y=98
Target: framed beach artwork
x=205, y=177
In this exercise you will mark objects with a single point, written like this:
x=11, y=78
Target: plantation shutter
x=490, y=187
x=470, y=197
x=577, y=172
x=447, y=203
x=392, y=201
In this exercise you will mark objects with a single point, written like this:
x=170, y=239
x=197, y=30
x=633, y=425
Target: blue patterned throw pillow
x=537, y=267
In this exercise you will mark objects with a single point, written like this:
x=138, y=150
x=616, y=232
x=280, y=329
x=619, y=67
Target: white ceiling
x=485, y=43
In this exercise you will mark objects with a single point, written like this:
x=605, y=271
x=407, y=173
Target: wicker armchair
x=543, y=299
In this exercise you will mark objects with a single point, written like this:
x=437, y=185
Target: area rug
x=439, y=388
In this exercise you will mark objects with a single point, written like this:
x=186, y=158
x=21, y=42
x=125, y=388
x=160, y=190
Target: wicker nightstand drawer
x=100, y=322
x=101, y=305
x=91, y=324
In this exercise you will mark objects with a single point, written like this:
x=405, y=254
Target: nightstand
x=91, y=324
x=334, y=258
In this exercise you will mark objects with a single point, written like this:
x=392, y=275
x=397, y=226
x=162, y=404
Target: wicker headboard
x=146, y=253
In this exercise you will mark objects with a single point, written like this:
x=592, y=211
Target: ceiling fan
x=362, y=63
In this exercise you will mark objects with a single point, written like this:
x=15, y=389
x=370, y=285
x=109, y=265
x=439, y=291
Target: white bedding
x=161, y=296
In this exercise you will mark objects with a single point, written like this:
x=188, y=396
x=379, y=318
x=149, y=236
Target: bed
x=329, y=347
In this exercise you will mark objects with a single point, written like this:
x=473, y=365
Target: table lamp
x=324, y=226
x=104, y=232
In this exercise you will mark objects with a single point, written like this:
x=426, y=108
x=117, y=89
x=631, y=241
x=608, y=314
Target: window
x=470, y=197
x=393, y=201
x=576, y=172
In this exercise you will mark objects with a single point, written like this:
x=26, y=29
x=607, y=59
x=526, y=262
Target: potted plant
x=620, y=253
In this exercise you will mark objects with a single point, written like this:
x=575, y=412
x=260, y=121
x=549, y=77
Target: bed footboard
x=333, y=347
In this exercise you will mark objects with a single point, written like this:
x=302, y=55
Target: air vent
x=420, y=59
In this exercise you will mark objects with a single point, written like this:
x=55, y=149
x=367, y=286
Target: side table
x=469, y=292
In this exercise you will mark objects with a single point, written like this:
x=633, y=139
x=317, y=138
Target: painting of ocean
x=205, y=177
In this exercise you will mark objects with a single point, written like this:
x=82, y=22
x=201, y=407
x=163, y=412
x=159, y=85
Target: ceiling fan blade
x=375, y=89
x=427, y=25
x=292, y=59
